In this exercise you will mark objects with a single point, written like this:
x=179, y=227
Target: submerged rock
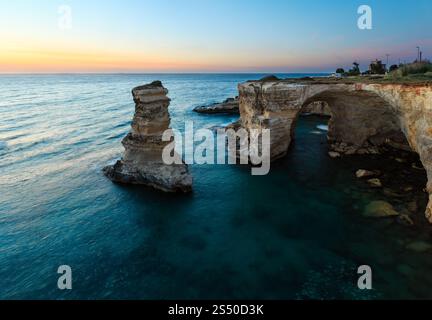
x=366, y=173
x=412, y=206
x=230, y=106
x=375, y=183
x=390, y=193
x=334, y=155
x=380, y=209
x=142, y=160
x=419, y=246
x=405, y=220
x=405, y=270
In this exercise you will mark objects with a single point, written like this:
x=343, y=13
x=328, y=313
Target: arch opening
x=363, y=123
x=360, y=122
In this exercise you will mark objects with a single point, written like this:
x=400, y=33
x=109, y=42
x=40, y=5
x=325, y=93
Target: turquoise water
x=297, y=233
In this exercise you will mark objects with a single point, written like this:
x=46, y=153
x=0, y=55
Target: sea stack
x=142, y=160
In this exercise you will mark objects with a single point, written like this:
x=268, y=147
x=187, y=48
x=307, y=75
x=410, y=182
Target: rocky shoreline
x=364, y=116
x=396, y=179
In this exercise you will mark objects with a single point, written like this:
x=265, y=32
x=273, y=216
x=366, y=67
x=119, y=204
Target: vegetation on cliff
x=417, y=71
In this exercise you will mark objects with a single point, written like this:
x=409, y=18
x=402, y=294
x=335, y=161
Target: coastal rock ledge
x=229, y=106
x=142, y=160
x=364, y=115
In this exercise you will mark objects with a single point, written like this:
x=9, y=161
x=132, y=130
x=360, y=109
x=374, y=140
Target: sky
x=207, y=35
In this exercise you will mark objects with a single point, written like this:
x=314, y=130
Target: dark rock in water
x=269, y=78
x=405, y=220
x=366, y=173
x=380, y=209
x=390, y=193
x=306, y=79
x=230, y=106
x=375, y=183
x=419, y=246
x=406, y=270
x=413, y=206
x=142, y=161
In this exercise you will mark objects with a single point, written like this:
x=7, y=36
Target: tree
x=393, y=67
x=355, y=70
x=340, y=71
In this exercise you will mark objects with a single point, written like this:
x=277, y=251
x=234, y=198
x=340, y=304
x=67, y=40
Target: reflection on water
x=296, y=233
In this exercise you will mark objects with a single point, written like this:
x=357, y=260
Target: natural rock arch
x=361, y=113
x=362, y=120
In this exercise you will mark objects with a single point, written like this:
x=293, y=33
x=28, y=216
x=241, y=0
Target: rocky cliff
x=365, y=116
x=142, y=160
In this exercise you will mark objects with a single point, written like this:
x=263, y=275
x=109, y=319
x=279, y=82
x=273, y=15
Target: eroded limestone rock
x=142, y=160
x=320, y=108
x=365, y=116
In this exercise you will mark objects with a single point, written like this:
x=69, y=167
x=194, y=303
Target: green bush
x=414, y=68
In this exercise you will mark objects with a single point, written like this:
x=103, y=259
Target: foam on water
x=323, y=127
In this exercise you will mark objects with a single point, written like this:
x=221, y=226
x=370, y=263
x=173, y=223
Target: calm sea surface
x=296, y=233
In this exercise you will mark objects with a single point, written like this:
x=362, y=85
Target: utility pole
x=421, y=56
x=387, y=65
x=418, y=54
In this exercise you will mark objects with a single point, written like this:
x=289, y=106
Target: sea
x=296, y=233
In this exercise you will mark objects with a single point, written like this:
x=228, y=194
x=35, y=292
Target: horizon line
x=163, y=72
